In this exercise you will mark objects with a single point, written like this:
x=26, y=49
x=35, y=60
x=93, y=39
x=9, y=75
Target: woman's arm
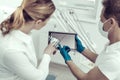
x=18, y=63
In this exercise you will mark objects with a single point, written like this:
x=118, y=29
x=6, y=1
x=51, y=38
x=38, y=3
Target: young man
x=108, y=62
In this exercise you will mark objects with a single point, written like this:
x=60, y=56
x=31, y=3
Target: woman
x=108, y=62
x=17, y=56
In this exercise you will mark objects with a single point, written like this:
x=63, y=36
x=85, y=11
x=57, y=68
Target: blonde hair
x=28, y=11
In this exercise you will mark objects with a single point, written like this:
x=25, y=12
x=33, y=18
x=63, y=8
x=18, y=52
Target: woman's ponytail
x=18, y=18
x=28, y=11
x=15, y=21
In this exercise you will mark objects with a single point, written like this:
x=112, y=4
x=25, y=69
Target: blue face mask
x=103, y=33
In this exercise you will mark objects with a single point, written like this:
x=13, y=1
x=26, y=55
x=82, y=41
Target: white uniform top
x=109, y=61
x=18, y=60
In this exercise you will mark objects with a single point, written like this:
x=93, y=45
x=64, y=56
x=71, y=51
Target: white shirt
x=18, y=60
x=109, y=61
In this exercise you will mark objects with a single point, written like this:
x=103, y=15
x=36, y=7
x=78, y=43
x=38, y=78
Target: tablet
x=67, y=39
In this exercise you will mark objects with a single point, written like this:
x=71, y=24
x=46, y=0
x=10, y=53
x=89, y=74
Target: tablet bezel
x=53, y=32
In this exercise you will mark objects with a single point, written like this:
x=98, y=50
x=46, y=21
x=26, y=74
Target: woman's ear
x=38, y=21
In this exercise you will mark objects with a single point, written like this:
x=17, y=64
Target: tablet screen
x=67, y=39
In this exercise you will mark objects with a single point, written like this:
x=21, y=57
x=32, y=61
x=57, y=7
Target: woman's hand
x=50, y=49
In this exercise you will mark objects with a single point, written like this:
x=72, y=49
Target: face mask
x=103, y=33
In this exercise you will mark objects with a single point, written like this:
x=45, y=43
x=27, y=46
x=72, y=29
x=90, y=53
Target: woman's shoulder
x=10, y=42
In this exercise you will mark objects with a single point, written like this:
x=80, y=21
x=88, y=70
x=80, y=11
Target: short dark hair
x=112, y=9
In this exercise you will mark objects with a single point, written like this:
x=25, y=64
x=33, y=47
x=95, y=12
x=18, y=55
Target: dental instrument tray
x=67, y=39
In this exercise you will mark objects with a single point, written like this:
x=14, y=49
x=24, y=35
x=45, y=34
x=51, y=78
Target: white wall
x=7, y=8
